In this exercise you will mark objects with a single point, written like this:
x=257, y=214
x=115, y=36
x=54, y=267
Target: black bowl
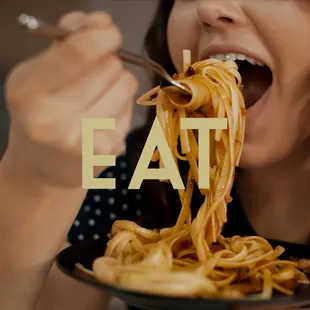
x=86, y=252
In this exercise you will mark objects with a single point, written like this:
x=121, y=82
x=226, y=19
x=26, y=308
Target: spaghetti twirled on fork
x=192, y=258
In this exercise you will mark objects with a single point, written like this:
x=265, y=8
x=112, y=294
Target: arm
x=62, y=292
x=40, y=174
x=33, y=224
x=26, y=255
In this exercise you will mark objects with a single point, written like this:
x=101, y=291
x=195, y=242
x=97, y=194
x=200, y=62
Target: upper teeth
x=233, y=56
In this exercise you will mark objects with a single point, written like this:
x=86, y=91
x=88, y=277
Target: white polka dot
x=125, y=206
x=138, y=213
x=91, y=222
x=80, y=237
x=76, y=223
x=123, y=164
x=96, y=236
x=98, y=212
x=138, y=196
x=112, y=216
x=97, y=198
x=124, y=191
x=110, y=174
x=111, y=201
x=123, y=177
x=87, y=208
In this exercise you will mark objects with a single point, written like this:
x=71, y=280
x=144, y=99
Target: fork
x=39, y=27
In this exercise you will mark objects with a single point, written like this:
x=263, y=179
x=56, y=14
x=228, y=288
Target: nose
x=220, y=14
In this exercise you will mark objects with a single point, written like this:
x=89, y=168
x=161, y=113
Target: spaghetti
x=192, y=258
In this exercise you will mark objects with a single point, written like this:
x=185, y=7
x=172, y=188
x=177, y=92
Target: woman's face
x=274, y=32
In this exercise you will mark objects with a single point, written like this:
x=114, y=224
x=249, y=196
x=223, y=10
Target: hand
x=49, y=95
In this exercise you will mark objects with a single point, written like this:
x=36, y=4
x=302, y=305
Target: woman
x=51, y=93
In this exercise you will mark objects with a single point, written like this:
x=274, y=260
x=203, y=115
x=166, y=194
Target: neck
x=276, y=198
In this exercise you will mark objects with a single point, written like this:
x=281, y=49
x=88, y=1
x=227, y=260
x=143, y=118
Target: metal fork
x=39, y=27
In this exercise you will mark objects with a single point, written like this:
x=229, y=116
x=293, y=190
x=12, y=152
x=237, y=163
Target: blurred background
x=132, y=16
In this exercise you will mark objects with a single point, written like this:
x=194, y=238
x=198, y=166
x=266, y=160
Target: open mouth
x=256, y=76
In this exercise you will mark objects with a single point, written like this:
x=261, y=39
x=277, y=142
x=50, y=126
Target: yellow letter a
x=170, y=172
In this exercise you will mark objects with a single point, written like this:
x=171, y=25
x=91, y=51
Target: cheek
x=183, y=33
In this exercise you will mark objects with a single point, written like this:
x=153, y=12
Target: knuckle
x=91, y=45
x=131, y=83
x=99, y=19
x=116, y=34
x=72, y=21
x=114, y=64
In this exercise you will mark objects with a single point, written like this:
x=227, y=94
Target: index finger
x=67, y=61
x=78, y=20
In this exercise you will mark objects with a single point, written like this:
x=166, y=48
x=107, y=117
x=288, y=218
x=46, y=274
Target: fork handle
x=38, y=27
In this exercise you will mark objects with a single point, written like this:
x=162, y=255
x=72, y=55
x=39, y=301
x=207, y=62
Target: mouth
x=256, y=76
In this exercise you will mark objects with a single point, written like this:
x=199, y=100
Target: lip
x=226, y=49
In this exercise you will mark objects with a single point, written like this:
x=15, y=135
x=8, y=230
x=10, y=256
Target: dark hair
x=156, y=43
x=158, y=195
x=156, y=46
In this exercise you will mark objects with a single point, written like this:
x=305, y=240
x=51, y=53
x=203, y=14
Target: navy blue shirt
x=101, y=208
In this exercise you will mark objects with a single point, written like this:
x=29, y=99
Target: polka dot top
x=101, y=208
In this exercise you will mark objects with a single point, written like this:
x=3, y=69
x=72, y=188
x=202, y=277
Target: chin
x=265, y=153
x=251, y=157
